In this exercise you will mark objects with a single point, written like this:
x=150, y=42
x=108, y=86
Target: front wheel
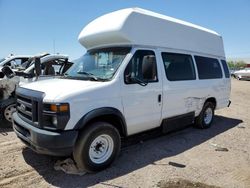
x=205, y=119
x=97, y=147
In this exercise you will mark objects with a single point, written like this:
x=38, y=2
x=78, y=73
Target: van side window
x=225, y=67
x=208, y=68
x=178, y=66
x=142, y=66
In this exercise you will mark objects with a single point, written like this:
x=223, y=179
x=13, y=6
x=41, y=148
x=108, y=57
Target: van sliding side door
x=180, y=91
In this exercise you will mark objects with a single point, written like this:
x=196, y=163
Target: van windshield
x=98, y=64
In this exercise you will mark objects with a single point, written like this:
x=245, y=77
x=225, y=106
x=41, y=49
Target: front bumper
x=43, y=141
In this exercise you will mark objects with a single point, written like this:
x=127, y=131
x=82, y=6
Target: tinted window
x=225, y=67
x=208, y=68
x=142, y=66
x=178, y=66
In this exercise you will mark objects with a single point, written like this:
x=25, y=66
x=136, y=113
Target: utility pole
x=54, y=46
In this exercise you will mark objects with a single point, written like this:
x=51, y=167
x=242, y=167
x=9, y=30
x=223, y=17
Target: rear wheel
x=205, y=119
x=238, y=77
x=97, y=147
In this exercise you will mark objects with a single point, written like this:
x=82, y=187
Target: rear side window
x=225, y=67
x=208, y=68
x=178, y=66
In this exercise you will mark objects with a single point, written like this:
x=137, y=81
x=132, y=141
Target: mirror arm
x=139, y=81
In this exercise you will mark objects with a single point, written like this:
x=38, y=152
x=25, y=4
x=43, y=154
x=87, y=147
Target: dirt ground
x=216, y=157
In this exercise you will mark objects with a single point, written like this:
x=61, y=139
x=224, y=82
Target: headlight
x=55, y=116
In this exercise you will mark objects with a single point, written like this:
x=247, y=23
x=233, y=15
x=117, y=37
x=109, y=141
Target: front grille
x=27, y=108
x=29, y=105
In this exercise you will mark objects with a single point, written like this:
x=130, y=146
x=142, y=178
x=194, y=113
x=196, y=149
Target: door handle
x=159, y=98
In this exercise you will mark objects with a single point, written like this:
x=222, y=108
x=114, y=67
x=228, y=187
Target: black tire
x=6, y=115
x=200, y=121
x=82, y=150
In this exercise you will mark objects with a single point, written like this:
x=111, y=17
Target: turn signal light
x=59, y=107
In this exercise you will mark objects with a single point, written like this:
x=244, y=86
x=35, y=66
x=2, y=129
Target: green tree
x=235, y=65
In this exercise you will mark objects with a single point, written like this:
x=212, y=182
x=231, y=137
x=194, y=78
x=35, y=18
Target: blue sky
x=31, y=26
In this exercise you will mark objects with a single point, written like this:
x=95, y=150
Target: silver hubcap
x=208, y=115
x=9, y=111
x=101, y=149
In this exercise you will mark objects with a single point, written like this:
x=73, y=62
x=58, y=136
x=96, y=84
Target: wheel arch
x=212, y=100
x=107, y=114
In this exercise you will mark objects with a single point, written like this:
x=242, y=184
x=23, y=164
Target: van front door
x=142, y=92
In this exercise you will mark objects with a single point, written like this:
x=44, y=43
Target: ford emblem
x=23, y=107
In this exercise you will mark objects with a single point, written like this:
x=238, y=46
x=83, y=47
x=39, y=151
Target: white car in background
x=242, y=74
x=13, y=61
x=51, y=66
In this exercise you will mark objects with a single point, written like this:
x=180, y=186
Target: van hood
x=55, y=88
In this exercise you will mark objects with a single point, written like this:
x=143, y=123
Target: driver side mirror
x=38, y=66
x=134, y=80
x=8, y=72
x=128, y=79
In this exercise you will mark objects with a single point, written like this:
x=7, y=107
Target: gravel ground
x=216, y=157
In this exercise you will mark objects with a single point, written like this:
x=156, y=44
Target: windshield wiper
x=69, y=77
x=92, y=76
x=65, y=75
x=88, y=74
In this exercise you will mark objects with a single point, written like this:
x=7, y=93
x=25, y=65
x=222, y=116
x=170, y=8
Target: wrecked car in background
x=50, y=66
x=13, y=61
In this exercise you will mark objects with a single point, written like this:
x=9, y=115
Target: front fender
x=101, y=112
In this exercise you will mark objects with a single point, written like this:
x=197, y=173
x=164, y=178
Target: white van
x=142, y=70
